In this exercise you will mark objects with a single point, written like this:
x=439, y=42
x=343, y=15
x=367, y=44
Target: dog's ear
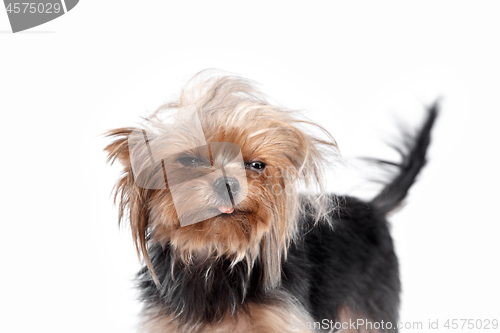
x=131, y=199
x=306, y=153
x=127, y=194
x=118, y=149
x=310, y=155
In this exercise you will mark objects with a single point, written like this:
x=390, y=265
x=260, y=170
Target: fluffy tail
x=413, y=151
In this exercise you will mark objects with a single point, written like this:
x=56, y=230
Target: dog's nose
x=224, y=185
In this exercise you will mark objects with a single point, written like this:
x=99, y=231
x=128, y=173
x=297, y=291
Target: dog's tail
x=413, y=152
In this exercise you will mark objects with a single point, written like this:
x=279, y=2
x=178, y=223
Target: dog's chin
x=234, y=222
x=233, y=235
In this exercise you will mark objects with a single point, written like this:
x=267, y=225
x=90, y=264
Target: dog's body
x=342, y=274
x=270, y=262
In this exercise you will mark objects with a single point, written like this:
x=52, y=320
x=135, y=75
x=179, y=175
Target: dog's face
x=218, y=179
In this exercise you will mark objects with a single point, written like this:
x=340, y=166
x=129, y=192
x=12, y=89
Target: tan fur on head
x=230, y=110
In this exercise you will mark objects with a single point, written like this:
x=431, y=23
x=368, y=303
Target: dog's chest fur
x=214, y=297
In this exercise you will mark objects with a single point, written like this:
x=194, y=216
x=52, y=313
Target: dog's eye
x=190, y=161
x=259, y=166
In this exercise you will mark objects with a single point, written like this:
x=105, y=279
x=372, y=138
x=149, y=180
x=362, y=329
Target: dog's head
x=217, y=173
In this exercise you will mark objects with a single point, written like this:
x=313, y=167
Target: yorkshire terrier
x=225, y=197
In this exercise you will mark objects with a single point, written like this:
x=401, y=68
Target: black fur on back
x=351, y=264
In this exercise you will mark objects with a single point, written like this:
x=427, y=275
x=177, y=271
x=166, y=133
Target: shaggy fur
x=278, y=252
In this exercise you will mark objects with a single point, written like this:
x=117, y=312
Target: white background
x=356, y=68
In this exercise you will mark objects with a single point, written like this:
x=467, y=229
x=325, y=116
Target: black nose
x=224, y=185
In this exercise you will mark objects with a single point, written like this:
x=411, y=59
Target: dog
x=225, y=197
